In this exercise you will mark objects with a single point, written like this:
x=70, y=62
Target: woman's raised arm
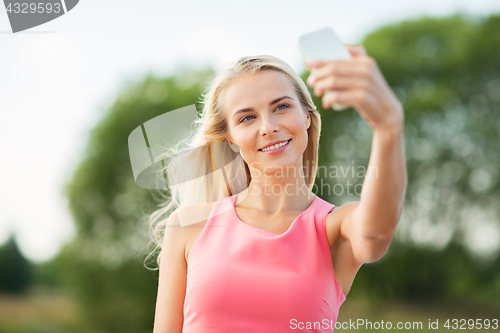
x=369, y=226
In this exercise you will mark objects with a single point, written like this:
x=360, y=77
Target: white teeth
x=275, y=146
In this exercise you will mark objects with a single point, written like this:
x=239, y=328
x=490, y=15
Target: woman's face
x=262, y=109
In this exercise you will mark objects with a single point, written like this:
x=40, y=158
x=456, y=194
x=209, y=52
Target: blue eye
x=283, y=105
x=242, y=120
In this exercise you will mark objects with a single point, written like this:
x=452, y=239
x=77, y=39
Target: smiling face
x=263, y=109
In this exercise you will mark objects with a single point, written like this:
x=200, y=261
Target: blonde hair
x=189, y=174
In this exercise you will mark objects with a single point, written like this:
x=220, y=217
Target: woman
x=270, y=255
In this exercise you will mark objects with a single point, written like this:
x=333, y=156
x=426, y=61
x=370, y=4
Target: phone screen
x=324, y=44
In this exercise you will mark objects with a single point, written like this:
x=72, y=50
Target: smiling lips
x=278, y=145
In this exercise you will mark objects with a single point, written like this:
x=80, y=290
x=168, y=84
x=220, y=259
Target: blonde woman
x=253, y=249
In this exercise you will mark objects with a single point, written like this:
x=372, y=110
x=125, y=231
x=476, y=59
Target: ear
x=234, y=147
x=308, y=121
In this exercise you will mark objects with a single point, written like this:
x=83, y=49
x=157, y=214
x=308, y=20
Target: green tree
x=16, y=272
x=117, y=293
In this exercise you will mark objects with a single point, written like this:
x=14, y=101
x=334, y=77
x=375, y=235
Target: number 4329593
x=34, y=8
x=471, y=324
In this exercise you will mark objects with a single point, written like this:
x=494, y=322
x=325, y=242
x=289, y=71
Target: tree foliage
x=16, y=272
x=116, y=291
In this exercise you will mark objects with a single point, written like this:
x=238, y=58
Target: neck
x=293, y=195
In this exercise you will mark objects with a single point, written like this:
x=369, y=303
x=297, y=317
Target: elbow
x=383, y=230
x=372, y=249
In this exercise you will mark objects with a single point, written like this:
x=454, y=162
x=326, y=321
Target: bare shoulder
x=335, y=218
x=194, y=214
x=172, y=284
x=191, y=220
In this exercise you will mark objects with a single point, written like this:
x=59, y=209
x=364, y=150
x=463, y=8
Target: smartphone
x=324, y=44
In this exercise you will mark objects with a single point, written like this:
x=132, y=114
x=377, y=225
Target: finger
x=315, y=63
x=357, y=50
x=346, y=97
x=329, y=98
x=339, y=82
x=360, y=67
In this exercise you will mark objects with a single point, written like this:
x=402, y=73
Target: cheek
x=296, y=120
x=301, y=135
x=298, y=128
x=245, y=141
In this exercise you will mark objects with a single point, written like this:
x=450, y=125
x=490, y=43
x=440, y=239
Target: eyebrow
x=274, y=101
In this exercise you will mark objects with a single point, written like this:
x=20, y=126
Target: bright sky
x=57, y=79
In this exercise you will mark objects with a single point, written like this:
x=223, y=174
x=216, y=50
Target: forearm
x=384, y=186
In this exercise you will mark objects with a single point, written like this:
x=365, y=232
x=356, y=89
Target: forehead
x=257, y=90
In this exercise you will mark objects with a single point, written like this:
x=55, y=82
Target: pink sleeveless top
x=245, y=279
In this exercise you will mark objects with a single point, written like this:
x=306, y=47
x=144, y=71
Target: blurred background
x=73, y=223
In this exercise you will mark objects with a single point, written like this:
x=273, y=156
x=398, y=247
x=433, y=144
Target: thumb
x=356, y=50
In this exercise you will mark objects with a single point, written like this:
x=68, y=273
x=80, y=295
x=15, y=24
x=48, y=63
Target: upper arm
x=364, y=249
x=172, y=279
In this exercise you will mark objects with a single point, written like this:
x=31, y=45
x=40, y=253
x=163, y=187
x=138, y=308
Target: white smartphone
x=324, y=44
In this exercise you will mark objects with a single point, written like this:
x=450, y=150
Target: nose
x=268, y=125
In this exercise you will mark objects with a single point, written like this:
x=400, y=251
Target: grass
x=413, y=313
x=41, y=311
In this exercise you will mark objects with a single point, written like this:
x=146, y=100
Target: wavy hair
x=190, y=175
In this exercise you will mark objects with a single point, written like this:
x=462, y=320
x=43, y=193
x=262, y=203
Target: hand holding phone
x=324, y=44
